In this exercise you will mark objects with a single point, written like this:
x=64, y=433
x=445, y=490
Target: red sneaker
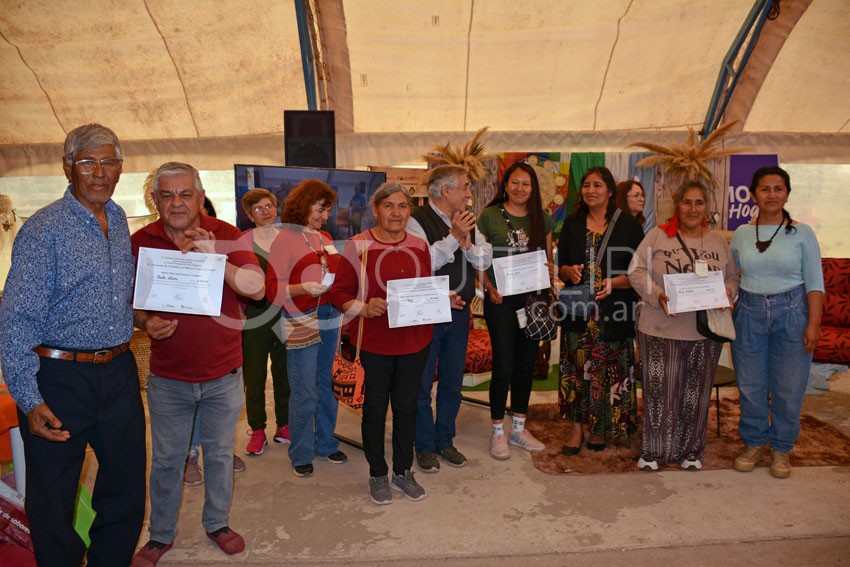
x=150, y=554
x=229, y=541
x=257, y=443
x=281, y=435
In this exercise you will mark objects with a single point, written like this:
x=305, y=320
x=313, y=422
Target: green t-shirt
x=494, y=228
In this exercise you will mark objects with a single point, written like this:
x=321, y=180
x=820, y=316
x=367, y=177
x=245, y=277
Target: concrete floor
x=493, y=513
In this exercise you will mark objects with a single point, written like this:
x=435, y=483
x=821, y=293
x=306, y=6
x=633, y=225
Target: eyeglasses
x=636, y=196
x=90, y=165
x=263, y=208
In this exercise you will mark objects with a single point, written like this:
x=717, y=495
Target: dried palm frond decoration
x=471, y=156
x=688, y=160
x=147, y=188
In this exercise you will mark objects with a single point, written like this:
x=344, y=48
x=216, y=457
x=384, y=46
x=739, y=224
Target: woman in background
x=631, y=199
x=597, y=348
x=301, y=263
x=678, y=363
x=393, y=359
x=261, y=338
x=513, y=223
x=777, y=322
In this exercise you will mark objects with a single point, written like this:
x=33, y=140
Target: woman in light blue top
x=777, y=322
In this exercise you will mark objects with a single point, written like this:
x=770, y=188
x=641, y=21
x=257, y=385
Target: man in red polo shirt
x=196, y=365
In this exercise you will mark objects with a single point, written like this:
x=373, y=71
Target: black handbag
x=541, y=323
x=579, y=302
x=714, y=324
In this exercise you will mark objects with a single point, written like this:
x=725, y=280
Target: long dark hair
x=537, y=238
x=775, y=170
x=581, y=208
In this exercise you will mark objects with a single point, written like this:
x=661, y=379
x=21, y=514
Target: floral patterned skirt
x=597, y=386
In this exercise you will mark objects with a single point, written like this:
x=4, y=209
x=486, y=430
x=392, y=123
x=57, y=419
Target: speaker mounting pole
x=307, y=60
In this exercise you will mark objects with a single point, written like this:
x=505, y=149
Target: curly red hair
x=296, y=209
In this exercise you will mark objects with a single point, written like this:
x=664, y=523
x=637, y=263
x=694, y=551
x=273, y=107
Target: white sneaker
x=691, y=464
x=648, y=466
x=526, y=441
x=499, y=447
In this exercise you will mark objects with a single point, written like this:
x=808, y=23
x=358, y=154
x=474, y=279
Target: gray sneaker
x=453, y=457
x=379, y=490
x=407, y=484
x=427, y=461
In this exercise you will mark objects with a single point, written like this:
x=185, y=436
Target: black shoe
x=427, y=461
x=337, y=457
x=596, y=446
x=453, y=457
x=568, y=451
x=303, y=470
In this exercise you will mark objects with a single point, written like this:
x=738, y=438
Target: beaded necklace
x=763, y=245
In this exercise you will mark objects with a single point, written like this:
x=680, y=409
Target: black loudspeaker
x=309, y=138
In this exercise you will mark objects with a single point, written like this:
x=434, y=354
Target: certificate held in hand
x=693, y=292
x=174, y=282
x=418, y=301
x=521, y=273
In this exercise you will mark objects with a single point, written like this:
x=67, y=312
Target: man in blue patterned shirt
x=65, y=327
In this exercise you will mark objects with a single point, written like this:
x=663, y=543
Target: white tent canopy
x=206, y=81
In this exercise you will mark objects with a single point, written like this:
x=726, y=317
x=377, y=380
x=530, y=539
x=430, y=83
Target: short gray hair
x=89, y=137
x=443, y=175
x=387, y=189
x=176, y=169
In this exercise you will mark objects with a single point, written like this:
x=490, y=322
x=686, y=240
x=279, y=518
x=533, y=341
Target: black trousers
x=513, y=356
x=391, y=379
x=100, y=405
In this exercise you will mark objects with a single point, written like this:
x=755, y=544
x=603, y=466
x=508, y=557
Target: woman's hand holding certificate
x=694, y=292
x=418, y=301
x=521, y=273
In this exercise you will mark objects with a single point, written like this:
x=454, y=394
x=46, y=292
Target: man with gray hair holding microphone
x=449, y=228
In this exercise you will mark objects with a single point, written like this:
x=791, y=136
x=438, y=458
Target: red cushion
x=834, y=345
x=479, y=356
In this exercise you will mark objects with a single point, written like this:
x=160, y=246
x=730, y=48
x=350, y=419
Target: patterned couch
x=479, y=355
x=834, y=345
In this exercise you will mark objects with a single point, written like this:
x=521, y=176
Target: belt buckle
x=102, y=356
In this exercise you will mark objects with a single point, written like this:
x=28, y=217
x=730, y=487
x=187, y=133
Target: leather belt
x=96, y=357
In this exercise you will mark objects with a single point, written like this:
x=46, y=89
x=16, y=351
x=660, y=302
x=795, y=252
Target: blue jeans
x=172, y=405
x=194, y=446
x=770, y=366
x=446, y=357
x=312, y=405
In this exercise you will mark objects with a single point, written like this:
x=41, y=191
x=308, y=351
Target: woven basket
x=140, y=345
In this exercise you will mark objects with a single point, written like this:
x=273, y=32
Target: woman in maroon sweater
x=392, y=358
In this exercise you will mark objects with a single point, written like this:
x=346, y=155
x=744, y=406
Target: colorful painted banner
x=742, y=209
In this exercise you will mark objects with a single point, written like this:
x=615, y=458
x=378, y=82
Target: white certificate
x=521, y=273
x=418, y=301
x=168, y=280
x=692, y=292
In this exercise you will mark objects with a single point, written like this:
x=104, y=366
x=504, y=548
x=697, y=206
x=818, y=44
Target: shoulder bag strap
x=601, y=253
x=687, y=251
x=362, y=294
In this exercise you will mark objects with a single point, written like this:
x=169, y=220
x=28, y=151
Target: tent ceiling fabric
x=211, y=78
x=157, y=69
x=537, y=65
x=806, y=88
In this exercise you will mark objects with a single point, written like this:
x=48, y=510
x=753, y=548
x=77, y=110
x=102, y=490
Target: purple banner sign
x=742, y=208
